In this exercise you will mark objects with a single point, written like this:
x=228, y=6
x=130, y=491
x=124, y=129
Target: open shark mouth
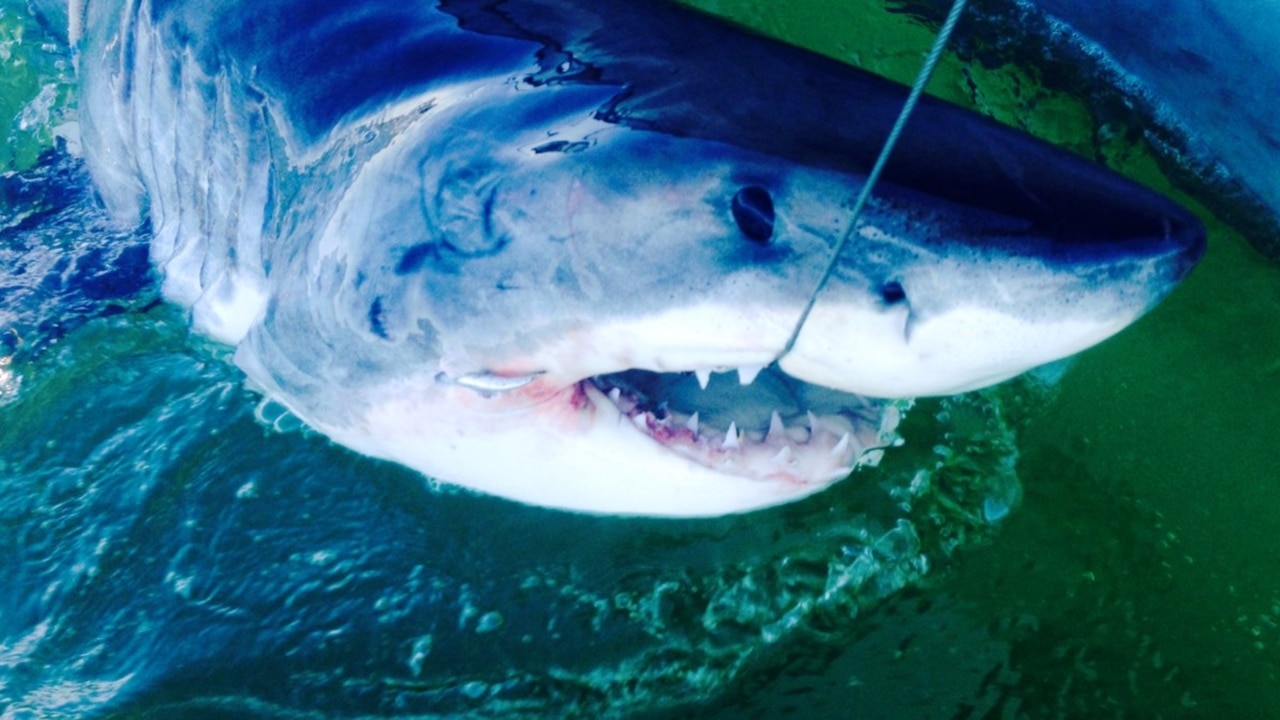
x=752, y=422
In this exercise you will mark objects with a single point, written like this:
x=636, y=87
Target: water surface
x=172, y=546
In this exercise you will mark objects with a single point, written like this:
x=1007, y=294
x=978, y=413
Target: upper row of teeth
x=746, y=374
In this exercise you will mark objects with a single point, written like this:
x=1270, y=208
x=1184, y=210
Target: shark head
x=559, y=251
x=518, y=297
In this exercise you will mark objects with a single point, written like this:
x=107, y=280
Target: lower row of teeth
x=846, y=451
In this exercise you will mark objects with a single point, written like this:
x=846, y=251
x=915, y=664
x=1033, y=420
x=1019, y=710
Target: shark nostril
x=753, y=212
x=892, y=293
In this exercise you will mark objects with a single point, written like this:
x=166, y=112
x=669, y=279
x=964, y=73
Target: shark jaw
x=655, y=427
x=602, y=444
x=688, y=412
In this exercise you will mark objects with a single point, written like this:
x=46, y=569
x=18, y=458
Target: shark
x=557, y=251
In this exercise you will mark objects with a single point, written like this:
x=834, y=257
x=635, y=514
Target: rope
x=922, y=79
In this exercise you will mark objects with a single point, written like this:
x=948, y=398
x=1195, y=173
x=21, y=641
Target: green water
x=35, y=87
x=1138, y=576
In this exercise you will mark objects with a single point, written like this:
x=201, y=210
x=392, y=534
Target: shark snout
x=936, y=323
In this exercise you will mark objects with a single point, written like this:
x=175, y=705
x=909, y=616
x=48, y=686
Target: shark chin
x=555, y=250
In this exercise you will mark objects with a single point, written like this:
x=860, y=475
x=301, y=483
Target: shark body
x=521, y=246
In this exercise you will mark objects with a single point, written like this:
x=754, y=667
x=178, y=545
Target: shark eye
x=753, y=211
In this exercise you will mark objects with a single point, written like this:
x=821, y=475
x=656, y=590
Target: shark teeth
x=777, y=430
x=805, y=447
x=731, y=440
x=821, y=453
x=841, y=447
x=747, y=374
x=704, y=378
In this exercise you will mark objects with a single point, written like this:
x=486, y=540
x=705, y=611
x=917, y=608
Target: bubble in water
x=421, y=649
x=489, y=622
x=994, y=509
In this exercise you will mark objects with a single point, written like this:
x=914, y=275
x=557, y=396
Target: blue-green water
x=170, y=547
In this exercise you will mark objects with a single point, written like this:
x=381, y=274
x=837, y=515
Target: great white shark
x=555, y=250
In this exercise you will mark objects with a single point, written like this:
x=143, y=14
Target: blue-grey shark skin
x=504, y=243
